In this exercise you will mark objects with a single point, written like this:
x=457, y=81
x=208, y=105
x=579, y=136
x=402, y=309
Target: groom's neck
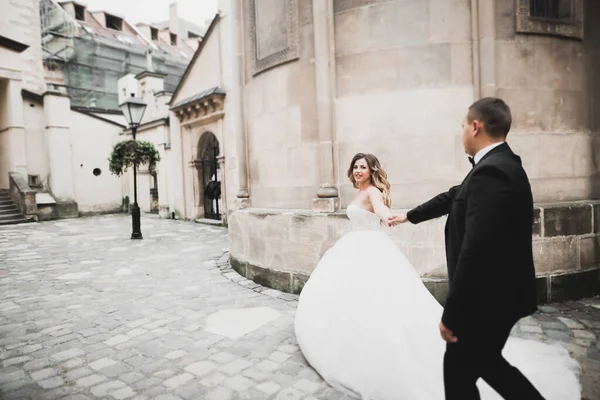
x=485, y=143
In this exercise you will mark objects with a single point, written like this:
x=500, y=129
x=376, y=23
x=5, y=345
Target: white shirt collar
x=484, y=151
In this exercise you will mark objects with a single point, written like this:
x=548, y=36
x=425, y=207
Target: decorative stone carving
x=204, y=107
x=527, y=24
x=273, y=32
x=196, y=164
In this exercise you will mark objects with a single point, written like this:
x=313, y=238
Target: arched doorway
x=209, y=175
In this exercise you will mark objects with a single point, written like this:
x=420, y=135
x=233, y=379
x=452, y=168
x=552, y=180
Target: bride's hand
x=397, y=219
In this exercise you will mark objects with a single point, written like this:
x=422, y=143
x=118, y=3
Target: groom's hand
x=447, y=334
x=397, y=219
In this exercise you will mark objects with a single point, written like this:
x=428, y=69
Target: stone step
x=10, y=214
x=12, y=221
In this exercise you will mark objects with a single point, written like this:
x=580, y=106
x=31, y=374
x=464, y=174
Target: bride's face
x=361, y=171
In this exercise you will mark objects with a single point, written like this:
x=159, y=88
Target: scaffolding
x=88, y=65
x=58, y=31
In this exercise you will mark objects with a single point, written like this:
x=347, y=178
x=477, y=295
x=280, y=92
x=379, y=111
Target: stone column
x=197, y=189
x=237, y=95
x=12, y=134
x=223, y=209
x=57, y=107
x=327, y=196
x=487, y=47
x=475, y=48
x=177, y=167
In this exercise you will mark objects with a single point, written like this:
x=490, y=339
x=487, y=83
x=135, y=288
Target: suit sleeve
x=434, y=208
x=487, y=209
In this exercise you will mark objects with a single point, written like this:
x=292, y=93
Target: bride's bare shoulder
x=373, y=191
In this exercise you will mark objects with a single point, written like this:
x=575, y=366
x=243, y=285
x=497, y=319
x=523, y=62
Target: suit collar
x=486, y=150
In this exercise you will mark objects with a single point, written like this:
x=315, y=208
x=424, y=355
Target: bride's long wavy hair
x=378, y=176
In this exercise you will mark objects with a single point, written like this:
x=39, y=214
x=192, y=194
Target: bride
x=369, y=326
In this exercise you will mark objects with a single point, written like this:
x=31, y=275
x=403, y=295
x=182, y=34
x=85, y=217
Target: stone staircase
x=9, y=212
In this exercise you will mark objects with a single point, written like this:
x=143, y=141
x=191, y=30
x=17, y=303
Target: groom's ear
x=477, y=125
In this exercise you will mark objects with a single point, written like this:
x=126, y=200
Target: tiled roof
x=198, y=96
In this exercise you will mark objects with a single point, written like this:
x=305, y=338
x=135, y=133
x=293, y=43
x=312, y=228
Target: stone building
x=291, y=90
x=259, y=131
x=87, y=51
x=55, y=139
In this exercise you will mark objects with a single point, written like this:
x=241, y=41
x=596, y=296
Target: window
x=113, y=22
x=34, y=180
x=79, y=12
x=192, y=35
x=154, y=33
x=562, y=10
x=561, y=18
x=173, y=39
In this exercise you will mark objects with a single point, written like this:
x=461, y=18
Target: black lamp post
x=133, y=110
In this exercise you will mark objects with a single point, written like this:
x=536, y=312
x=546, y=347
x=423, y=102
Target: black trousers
x=478, y=354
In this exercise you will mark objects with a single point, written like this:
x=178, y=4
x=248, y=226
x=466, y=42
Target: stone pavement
x=87, y=313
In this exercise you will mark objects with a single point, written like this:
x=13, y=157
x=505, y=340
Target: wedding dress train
x=369, y=326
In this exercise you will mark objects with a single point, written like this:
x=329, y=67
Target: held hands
x=447, y=334
x=397, y=219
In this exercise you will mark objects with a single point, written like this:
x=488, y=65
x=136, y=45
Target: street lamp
x=133, y=109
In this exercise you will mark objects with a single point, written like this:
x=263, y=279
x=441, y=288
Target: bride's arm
x=379, y=207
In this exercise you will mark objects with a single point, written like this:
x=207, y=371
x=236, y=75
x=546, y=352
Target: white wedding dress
x=369, y=326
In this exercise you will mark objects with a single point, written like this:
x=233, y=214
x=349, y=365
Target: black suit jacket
x=488, y=242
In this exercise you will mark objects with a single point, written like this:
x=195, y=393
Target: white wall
x=206, y=71
x=37, y=150
x=92, y=141
x=157, y=136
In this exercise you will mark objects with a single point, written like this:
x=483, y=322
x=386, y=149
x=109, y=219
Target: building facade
x=87, y=51
x=304, y=85
x=259, y=131
x=59, y=117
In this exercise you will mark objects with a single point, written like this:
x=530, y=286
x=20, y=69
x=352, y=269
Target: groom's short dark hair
x=495, y=115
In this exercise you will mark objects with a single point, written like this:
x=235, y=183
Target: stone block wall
x=550, y=83
x=404, y=78
x=281, y=104
x=566, y=250
x=280, y=248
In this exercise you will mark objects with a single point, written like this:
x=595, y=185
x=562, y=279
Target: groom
x=489, y=257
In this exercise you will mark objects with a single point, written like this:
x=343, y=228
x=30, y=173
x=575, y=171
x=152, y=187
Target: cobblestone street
x=87, y=313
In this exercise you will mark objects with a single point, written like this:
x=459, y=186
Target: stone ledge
x=550, y=288
x=287, y=282
x=65, y=209
x=566, y=219
x=280, y=247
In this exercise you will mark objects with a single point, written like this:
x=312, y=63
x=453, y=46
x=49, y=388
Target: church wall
x=404, y=81
x=205, y=73
x=548, y=82
x=228, y=59
x=282, y=118
x=405, y=73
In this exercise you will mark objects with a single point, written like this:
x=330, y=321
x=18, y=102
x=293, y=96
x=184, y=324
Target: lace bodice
x=362, y=219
